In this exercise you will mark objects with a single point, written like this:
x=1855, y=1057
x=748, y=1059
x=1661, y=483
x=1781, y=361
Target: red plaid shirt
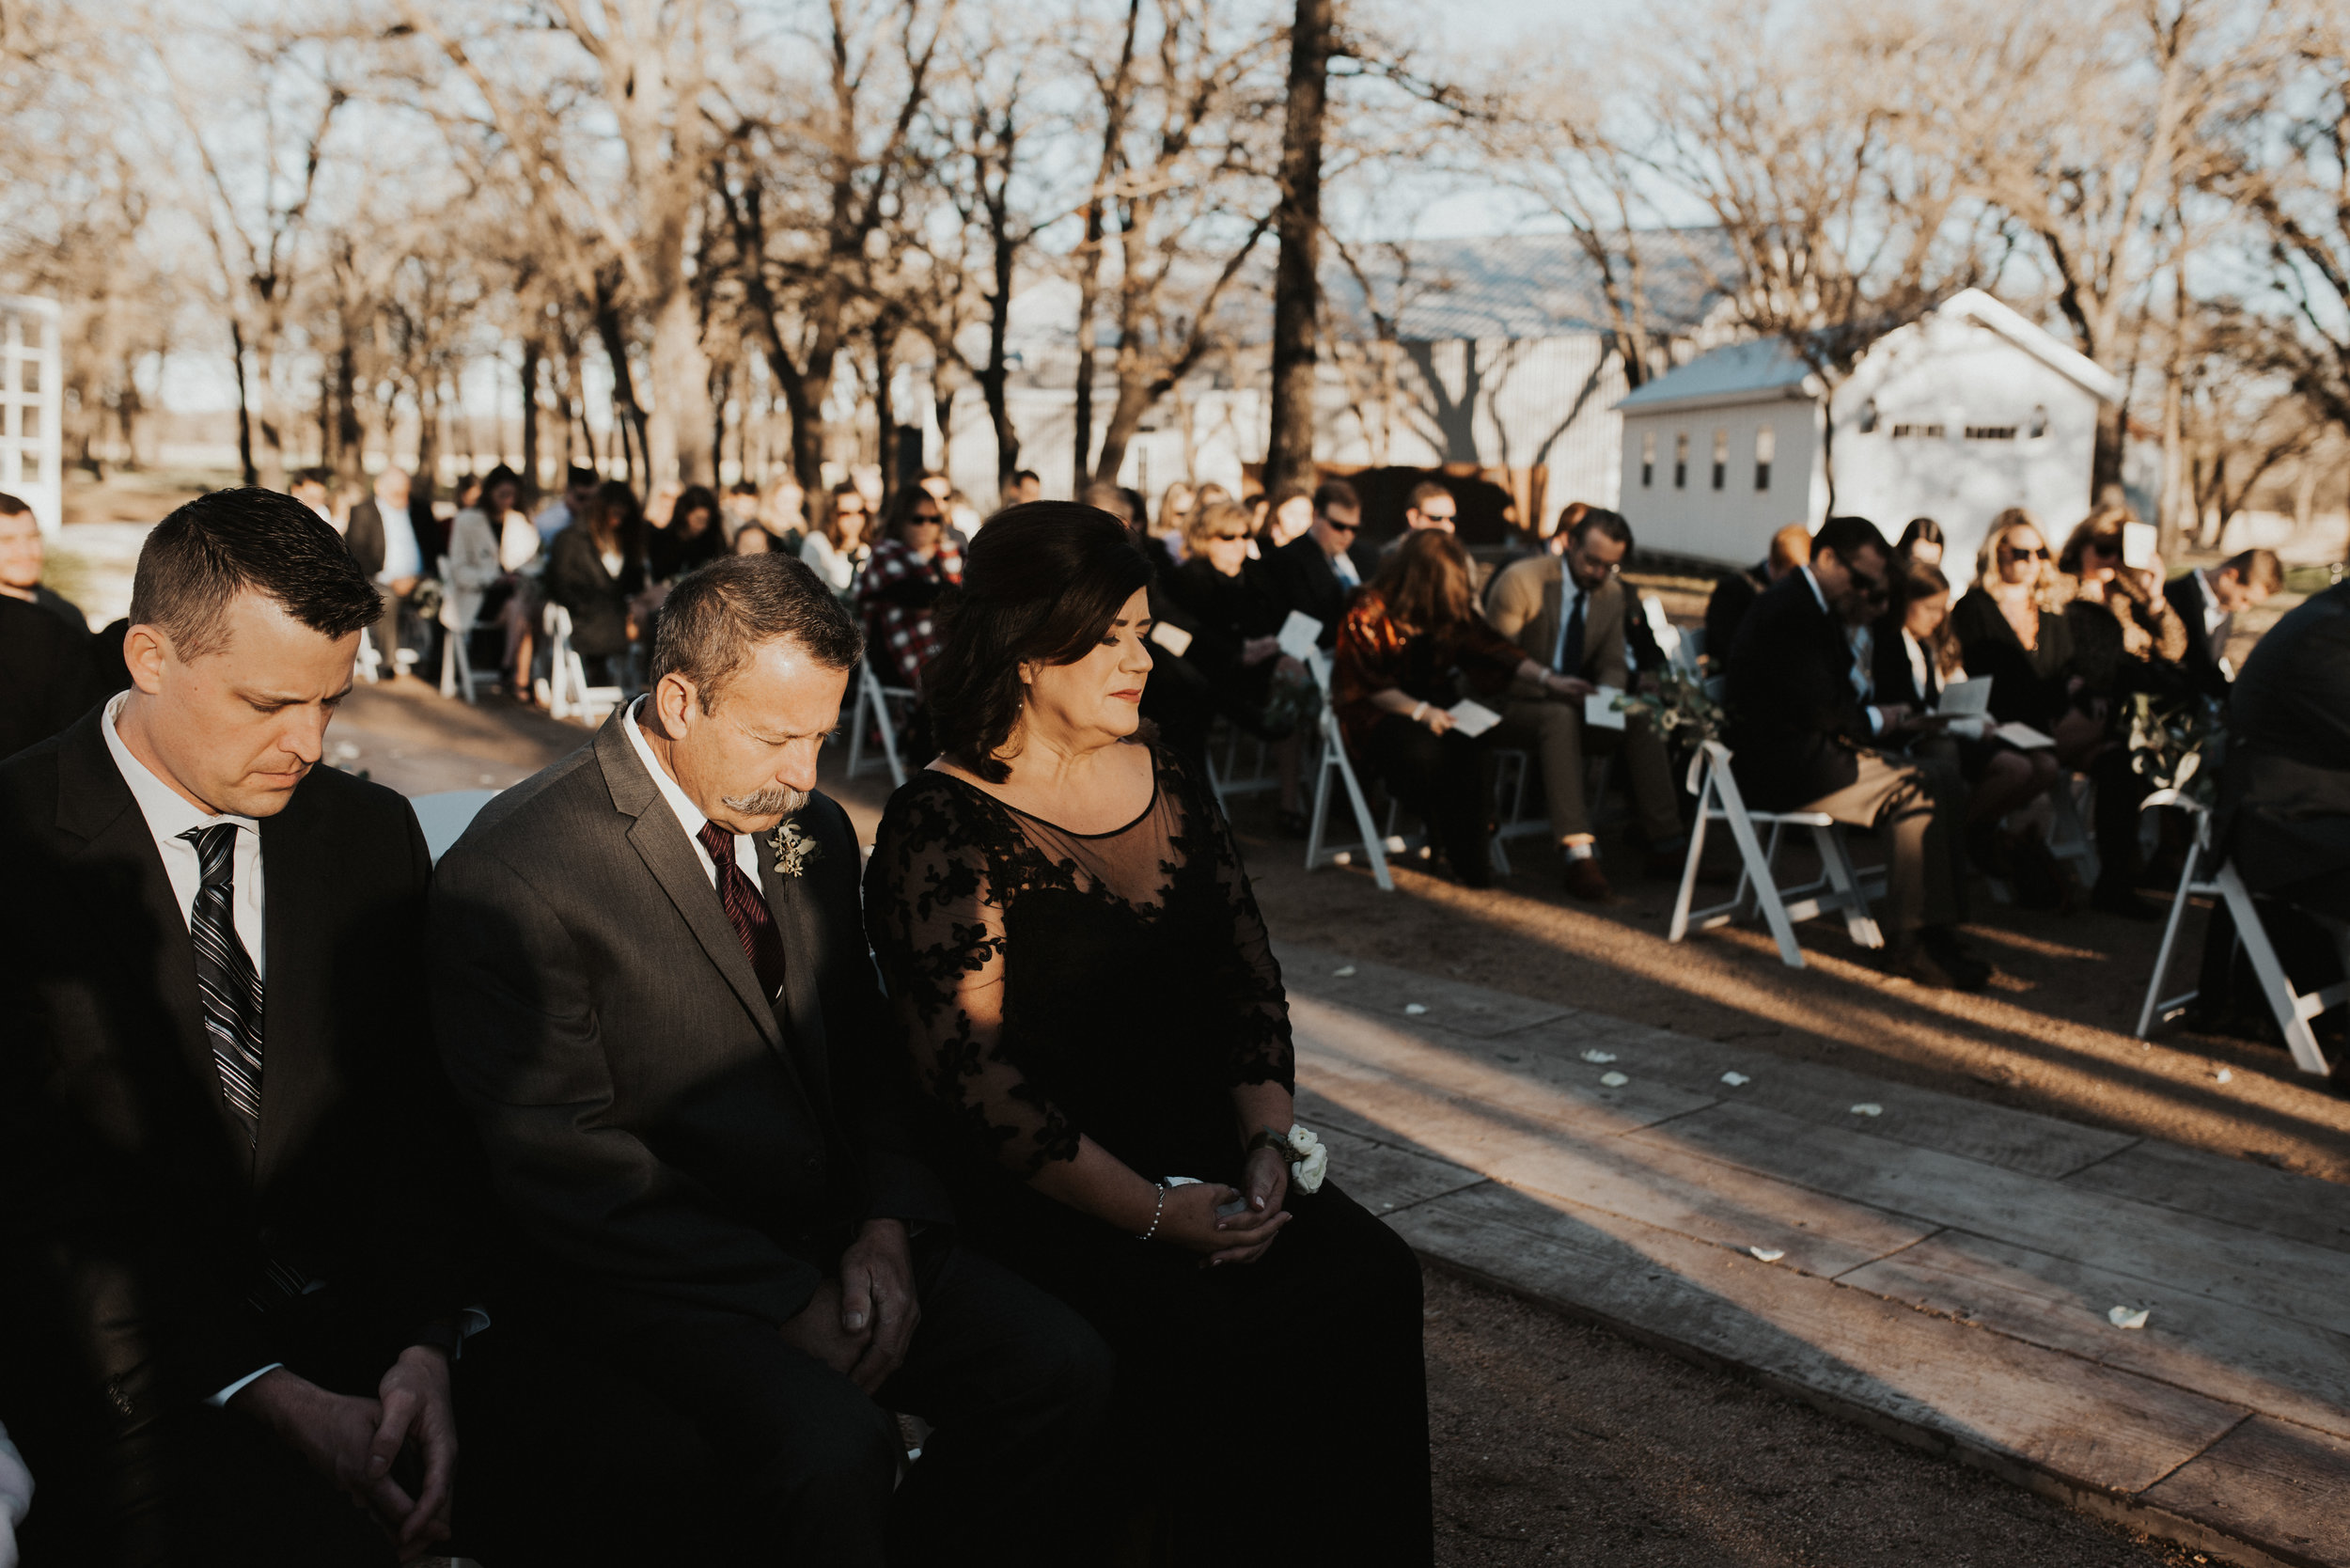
x=904, y=640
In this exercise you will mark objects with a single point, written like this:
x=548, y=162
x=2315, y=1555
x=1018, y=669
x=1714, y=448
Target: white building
x=32, y=391
x=1956, y=417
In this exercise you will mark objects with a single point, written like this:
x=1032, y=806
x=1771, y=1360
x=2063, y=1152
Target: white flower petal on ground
x=1868, y=1108
x=1413, y=1009
x=1347, y=973
x=1736, y=1080
x=1599, y=1058
x=2122, y=1317
x=1614, y=1080
x=1768, y=1254
x=2223, y=1076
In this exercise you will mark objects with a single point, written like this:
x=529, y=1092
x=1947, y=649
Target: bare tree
x=1297, y=274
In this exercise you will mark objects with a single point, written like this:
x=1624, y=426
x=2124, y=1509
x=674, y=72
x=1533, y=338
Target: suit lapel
x=792, y=904
x=660, y=840
x=297, y=1057
x=129, y=899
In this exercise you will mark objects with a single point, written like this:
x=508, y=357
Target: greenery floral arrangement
x=2176, y=746
x=1679, y=708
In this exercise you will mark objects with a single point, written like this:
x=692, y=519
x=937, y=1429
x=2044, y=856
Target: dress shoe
x=1583, y=880
x=1953, y=956
x=1914, y=962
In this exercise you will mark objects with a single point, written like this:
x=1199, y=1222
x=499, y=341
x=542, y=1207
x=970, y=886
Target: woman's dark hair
x=1921, y=530
x=699, y=497
x=1914, y=580
x=901, y=507
x=494, y=477
x=616, y=520
x=1042, y=583
x=1427, y=583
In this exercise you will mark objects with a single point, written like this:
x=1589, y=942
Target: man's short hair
x=1612, y=525
x=1424, y=491
x=1102, y=495
x=1334, y=492
x=713, y=620
x=1023, y=476
x=1791, y=547
x=579, y=477
x=2258, y=570
x=11, y=506
x=204, y=555
x=1848, y=536
x=323, y=478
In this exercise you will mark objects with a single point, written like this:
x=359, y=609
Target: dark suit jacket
x=1726, y=609
x=674, y=1149
x=2204, y=650
x=1304, y=578
x=1889, y=670
x=1795, y=721
x=2285, y=794
x=47, y=677
x=577, y=579
x=363, y=537
x=127, y=1183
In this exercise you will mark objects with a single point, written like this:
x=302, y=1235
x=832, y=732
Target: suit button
x=813, y=1162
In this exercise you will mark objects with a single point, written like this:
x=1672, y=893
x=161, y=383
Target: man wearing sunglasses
x=1805, y=741
x=1316, y=572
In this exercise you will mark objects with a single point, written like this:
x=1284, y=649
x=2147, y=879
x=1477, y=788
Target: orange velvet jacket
x=1377, y=652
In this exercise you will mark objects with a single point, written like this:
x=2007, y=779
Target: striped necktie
x=747, y=910
x=224, y=977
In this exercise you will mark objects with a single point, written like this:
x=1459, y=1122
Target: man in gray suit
x=653, y=991
x=1570, y=611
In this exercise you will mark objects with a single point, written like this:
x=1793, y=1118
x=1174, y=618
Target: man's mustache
x=774, y=801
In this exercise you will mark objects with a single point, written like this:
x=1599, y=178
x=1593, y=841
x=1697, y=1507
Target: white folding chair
x=872, y=713
x=2293, y=1010
x=1839, y=887
x=1333, y=762
x=569, y=695
x=370, y=662
x=1226, y=744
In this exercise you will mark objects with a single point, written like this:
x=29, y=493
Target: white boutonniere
x=793, y=848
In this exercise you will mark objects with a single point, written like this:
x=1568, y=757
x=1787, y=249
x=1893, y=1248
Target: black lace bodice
x=1051, y=983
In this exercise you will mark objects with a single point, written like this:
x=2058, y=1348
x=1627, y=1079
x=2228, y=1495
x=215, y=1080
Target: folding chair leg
x=1680, y=927
x=1766, y=889
x=2275, y=984
x=1372, y=844
x=2154, y=999
x=1859, y=923
x=887, y=729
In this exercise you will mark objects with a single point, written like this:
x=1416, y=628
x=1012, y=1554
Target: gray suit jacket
x=1525, y=606
x=673, y=1148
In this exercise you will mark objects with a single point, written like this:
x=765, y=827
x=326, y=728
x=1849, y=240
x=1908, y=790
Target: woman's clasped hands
x=1191, y=1218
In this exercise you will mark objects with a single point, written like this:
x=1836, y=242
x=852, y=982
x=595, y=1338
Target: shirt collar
x=1815, y=589
x=689, y=816
x=168, y=813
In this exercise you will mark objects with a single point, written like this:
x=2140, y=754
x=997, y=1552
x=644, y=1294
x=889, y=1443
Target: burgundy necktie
x=746, y=911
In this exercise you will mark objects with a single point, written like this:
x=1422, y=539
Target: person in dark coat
x=1235, y=616
x=1316, y=574
x=2208, y=601
x=47, y=676
x=1734, y=596
x=23, y=560
x=2285, y=792
x=1802, y=741
x=595, y=566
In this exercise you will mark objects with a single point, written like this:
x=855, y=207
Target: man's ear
x=676, y=702
x=146, y=651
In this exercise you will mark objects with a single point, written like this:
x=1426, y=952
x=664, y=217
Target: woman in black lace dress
x=1094, y=1010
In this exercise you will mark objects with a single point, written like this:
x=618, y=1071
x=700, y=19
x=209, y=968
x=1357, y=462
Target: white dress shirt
x=2213, y=614
x=1917, y=651
x=403, y=557
x=1861, y=683
x=1343, y=564
x=168, y=815
x=689, y=816
x=553, y=519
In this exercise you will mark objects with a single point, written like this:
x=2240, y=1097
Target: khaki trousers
x=1916, y=805
x=1555, y=735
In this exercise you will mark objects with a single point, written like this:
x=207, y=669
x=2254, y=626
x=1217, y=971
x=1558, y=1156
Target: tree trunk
x=351, y=436
x=2104, y=467
x=245, y=407
x=885, y=410
x=677, y=434
x=1089, y=277
x=428, y=475
x=626, y=416
x=992, y=380
x=1296, y=283
x=532, y=353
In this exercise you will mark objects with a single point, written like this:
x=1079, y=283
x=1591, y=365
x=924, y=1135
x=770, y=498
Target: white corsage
x=793, y=848
x=1309, y=1162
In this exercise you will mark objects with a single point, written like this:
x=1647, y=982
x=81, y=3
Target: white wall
x=1733, y=525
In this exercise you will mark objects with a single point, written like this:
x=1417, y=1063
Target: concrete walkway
x=1934, y=1267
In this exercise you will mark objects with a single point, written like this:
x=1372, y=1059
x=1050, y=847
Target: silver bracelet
x=1158, y=1211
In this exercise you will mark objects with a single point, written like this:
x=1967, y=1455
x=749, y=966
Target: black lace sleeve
x=942, y=874
x=1261, y=1049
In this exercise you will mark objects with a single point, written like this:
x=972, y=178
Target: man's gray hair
x=714, y=619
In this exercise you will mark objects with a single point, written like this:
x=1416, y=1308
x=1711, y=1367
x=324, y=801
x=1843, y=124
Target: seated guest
x=1569, y=612
x=652, y=989
x=1316, y=572
x=48, y=674
x=594, y=567
x=2208, y=601
x=1409, y=644
x=2127, y=640
x=1916, y=656
x=1734, y=596
x=1282, y=519
x=2285, y=793
x=1094, y=1010
x=2010, y=626
x=579, y=488
x=384, y=539
x=232, y=1166
x=491, y=548
x=1125, y=504
x=692, y=537
x=777, y=523
x=836, y=548
x=1804, y=741
x=24, y=558
x=1236, y=618
x=912, y=564
x=1922, y=541
x=1429, y=506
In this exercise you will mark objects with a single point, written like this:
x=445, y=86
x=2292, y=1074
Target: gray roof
x=1735, y=372
x=1518, y=286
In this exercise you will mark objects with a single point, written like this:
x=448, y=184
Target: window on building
x=1648, y=459
x=1721, y=458
x=2038, y=425
x=1917, y=432
x=1869, y=417
x=1681, y=459
x=1765, y=448
x=1991, y=432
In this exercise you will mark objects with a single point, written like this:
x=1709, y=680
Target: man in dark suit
x=2209, y=600
x=1316, y=572
x=227, y=1148
x=47, y=675
x=1734, y=596
x=2285, y=793
x=1803, y=740
x=654, y=993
